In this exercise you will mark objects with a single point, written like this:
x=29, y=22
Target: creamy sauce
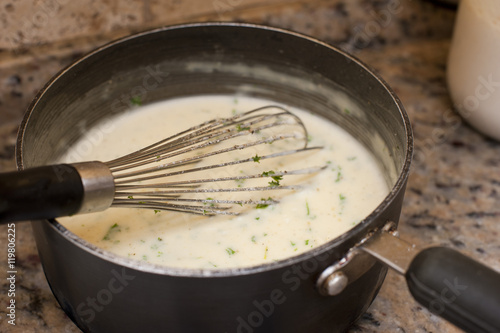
x=330, y=203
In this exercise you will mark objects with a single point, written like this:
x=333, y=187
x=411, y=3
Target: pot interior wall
x=217, y=60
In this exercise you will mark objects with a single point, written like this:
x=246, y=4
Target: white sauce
x=332, y=201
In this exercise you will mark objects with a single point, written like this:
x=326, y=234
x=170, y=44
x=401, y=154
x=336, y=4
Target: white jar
x=473, y=71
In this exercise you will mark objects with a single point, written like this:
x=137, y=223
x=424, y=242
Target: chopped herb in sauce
x=112, y=231
x=136, y=100
x=211, y=203
x=261, y=205
x=256, y=158
x=130, y=197
x=346, y=111
x=307, y=208
x=157, y=211
x=265, y=252
x=292, y=243
x=307, y=241
x=253, y=239
x=276, y=179
x=230, y=251
x=341, y=197
x=339, y=176
x=240, y=129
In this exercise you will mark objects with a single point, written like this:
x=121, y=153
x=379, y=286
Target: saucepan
x=323, y=290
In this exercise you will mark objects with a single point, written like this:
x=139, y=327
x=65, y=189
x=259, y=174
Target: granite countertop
x=453, y=193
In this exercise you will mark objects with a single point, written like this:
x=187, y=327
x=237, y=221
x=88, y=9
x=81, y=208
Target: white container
x=473, y=72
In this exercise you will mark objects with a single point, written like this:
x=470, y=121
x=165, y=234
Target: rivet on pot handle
x=448, y=283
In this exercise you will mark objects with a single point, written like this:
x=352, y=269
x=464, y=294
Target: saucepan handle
x=457, y=288
x=40, y=193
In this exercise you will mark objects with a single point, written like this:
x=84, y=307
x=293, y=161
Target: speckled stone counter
x=453, y=194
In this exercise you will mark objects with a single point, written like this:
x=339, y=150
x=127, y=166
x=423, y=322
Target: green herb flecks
x=265, y=252
x=342, y=197
x=130, y=197
x=339, y=176
x=307, y=242
x=136, y=100
x=276, y=179
x=145, y=257
x=160, y=239
x=257, y=218
x=240, y=129
x=230, y=251
x=157, y=211
x=346, y=111
x=263, y=205
x=112, y=231
x=256, y=158
x=352, y=158
x=307, y=208
x=209, y=203
x=292, y=243
x=254, y=239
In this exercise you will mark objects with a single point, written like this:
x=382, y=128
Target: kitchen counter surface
x=453, y=193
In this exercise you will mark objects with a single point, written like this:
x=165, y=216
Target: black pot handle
x=457, y=288
x=40, y=193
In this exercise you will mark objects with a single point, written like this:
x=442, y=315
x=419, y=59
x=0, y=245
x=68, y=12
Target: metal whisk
x=187, y=172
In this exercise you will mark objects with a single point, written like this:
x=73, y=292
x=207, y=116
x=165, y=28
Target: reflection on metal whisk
x=213, y=168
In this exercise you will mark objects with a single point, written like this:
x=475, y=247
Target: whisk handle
x=40, y=193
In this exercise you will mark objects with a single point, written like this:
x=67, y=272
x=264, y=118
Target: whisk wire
x=192, y=151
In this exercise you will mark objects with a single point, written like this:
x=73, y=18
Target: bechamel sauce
x=331, y=203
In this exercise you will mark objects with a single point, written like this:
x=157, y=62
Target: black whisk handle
x=40, y=193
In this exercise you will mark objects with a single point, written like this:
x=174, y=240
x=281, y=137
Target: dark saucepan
x=104, y=293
